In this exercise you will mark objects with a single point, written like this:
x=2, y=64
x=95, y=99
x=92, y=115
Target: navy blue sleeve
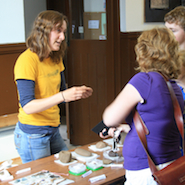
x=63, y=82
x=26, y=89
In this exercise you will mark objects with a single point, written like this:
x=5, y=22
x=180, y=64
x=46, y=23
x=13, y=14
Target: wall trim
x=8, y=56
x=12, y=48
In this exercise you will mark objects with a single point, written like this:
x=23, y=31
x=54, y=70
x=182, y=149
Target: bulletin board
x=155, y=10
x=94, y=25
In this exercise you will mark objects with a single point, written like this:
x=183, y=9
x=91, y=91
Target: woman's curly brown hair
x=158, y=50
x=38, y=41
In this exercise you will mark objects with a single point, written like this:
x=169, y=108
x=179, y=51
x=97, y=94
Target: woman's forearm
x=71, y=94
x=39, y=105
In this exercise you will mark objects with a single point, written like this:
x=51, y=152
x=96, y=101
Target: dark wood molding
x=128, y=62
x=8, y=56
x=12, y=48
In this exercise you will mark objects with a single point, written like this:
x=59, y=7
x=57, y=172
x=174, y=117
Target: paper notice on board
x=93, y=24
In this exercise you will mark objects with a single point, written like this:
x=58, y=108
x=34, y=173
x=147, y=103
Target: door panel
x=88, y=64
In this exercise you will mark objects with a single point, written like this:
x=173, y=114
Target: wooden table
x=112, y=174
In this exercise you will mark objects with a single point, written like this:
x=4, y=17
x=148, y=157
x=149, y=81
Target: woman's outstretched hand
x=77, y=93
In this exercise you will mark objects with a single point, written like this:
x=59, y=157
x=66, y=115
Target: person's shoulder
x=142, y=82
x=142, y=78
x=27, y=56
x=142, y=75
x=27, y=59
x=149, y=75
x=29, y=53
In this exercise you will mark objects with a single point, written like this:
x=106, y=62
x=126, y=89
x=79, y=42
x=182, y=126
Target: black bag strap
x=142, y=130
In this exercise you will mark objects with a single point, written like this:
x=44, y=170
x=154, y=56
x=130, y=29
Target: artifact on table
x=65, y=156
x=101, y=144
x=106, y=161
x=83, y=152
x=113, y=154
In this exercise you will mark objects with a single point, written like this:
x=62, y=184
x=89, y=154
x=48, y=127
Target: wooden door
x=91, y=62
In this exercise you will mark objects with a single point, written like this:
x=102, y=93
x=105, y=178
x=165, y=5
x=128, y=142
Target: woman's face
x=178, y=32
x=57, y=36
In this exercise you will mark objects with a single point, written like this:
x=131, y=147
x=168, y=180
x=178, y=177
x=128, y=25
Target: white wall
x=132, y=16
x=16, y=19
x=11, y=21
x=94, y=5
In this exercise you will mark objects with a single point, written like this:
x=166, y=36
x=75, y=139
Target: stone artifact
x=65, y=156
x=106, y=161
x=101, y=144
x=83, y=152
x=113, y=154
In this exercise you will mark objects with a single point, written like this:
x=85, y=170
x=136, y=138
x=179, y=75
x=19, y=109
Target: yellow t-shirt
x=46, y=75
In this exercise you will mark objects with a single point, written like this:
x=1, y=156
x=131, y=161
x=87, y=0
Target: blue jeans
x=35, y=146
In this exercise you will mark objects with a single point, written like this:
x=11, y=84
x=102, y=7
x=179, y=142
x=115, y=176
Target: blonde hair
x=38, y=41
x=158, y=50
x=182, y=57
x=177, y=16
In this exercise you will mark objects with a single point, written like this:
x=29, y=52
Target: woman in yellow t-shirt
x=39, y=77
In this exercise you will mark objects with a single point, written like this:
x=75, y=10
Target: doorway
x=90, y=61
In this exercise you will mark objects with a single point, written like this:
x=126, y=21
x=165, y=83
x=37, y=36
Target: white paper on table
x=56, y=155
x=97, y=178
x=65, y=164
x=67, y=181
x=36, y=178
x=83, y=158
x=95, y=149
x=6, y=164
x=5, y=175
x=113, y=165
x=110, y=142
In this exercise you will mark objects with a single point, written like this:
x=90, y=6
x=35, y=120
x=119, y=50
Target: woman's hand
x=110, y=133
x=124, y=128
x=77, y=93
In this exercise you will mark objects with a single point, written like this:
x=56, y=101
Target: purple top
x=157, y=113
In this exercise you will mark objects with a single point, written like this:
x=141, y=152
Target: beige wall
x=132, y=16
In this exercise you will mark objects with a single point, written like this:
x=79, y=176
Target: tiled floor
x=7, y=146
x=63, y=132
